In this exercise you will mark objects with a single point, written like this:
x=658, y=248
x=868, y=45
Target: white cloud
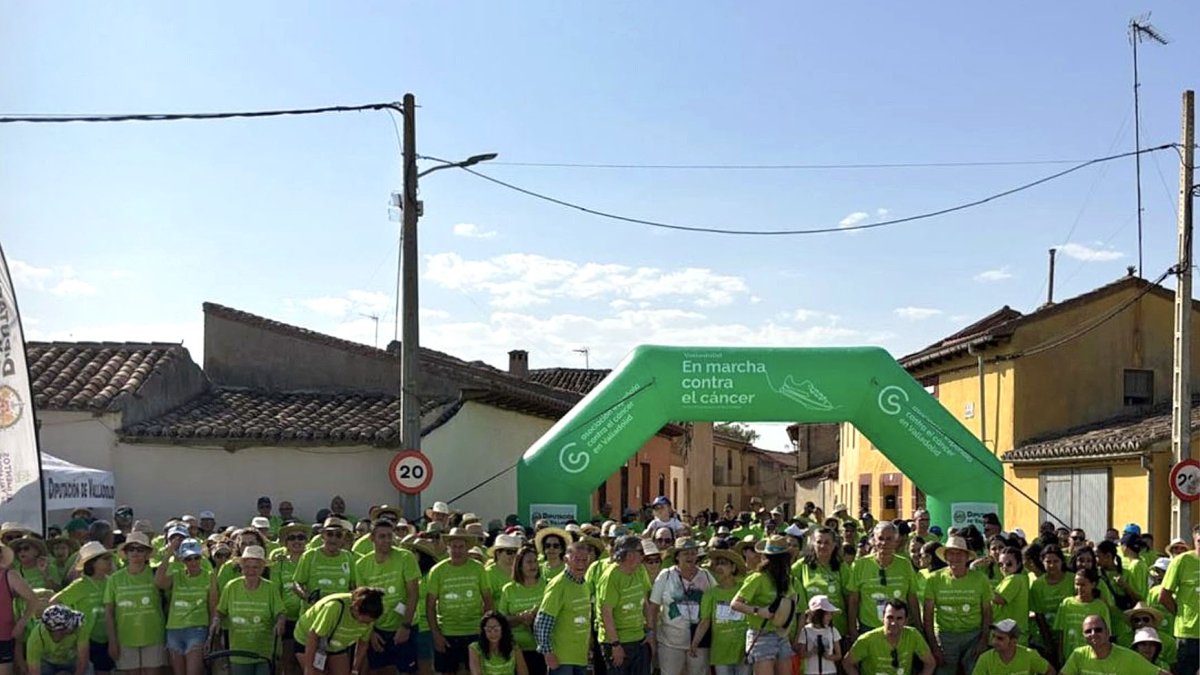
x=999, y=274
x=916, y=313
x=521, y=280
x=805, y=315
x=1089, y=254
x=353, y=302
x=472, y=231
x=328, y=306
x=61, y=281
x=190, y=333
x=856, y=218
x=370, y=301
x=882, y=213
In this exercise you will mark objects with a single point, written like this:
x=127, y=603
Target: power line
x=783, y=167
x=174, y=117
x=818, y=230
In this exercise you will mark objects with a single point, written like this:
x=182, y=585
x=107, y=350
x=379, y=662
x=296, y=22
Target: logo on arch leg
x=573, y=462
x=891, y=398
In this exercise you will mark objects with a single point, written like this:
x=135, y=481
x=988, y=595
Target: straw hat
x=739, y=563
x=1176, y=543
x=415, y=543
x=650, y=548
x=18, y=544
x=776, y=544
x=461, y=534
x=955, y=543
x=377, y=512
x=135, y=538
x=90, y=551
x=478, y=554
x=335, y=523
x=541, y=535
x=72, y=545
x=474, y=529
x=596, y=544
x=13, y=528
x=747, y=541
x=1142, y=608
x=293, y=528
x=252, y=553
x=510, y=542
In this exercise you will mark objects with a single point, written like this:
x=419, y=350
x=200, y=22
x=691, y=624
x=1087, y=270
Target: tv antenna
x=586, y=361
x=375, y=318
x=1140, y=29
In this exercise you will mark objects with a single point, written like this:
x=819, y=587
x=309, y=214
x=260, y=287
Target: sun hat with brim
x=1161, y=564
x=477, y=553
x=650, y=548
x=1142, y=608
x=1006, y=626
x=776, y=545
x=474, y=530
x=687, y=544
x=596, y=544
x=952, y=544
x=252, y=553
x=739, y=563
x=135, y=539
x=748, y=541
x=440, y=507
x=378, y=512
x=61, y=617
x=334, y=523
x=71, y=544
x=415, y=543
x=540, y=537
x=506, y=542
x=18, y=544
x=90, y=551
x=460, y=534
x=1175, y=543
x=1146, y=634
x=14, y=528
x=294, y=528
x=821, y=602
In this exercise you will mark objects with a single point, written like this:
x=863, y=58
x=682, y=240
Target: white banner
x=70, y=486
x=20, y=484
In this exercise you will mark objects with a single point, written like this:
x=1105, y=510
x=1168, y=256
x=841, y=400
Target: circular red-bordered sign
x=410, y=472
x=1185, y=480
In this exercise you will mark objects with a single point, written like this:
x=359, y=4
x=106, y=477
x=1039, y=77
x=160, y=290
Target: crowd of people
x=731, y=593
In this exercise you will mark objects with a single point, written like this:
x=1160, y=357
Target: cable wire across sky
x=176, y=117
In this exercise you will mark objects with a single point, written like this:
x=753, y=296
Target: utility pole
x=410, y=330
x=1181, y=382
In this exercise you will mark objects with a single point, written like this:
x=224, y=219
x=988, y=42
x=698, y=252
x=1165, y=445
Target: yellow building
x=1074, y=398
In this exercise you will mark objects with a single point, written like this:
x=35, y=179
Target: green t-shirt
x=498, y=578
x=363, y=545
x=283, y=572
x=459, y=591
x=958, y=602
x=87, y=595
x=728, y=626
x=626, y=595
x=824, y=581
x=1183, y=580
x=1024, y=661
x=189, y=599
x=517, y=599
x=758, y=590
x=873, y=652
x=549, y=572
x=495, y=664
x=137, y=608
x=251, y=616
x=325, y=573
x=873, y=595
x=1120, y=661
x=41, y=647
x=331, y=619
x=570, y=603
x=1045, y=598
x=1069, y=621
x=393, y=576
x=1014, y=588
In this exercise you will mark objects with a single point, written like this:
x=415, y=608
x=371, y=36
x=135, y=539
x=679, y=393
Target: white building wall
x=79, y=437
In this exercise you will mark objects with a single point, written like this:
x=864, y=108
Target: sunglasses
x=297, y=537
x=554, y=545
x=1093, y=631
x=221, y=555
x=191, y=557
x=652, y=561
x=136, y=549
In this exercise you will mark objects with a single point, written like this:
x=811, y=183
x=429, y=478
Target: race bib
x=726, y=613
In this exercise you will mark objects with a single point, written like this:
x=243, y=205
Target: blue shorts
x=184, y=640
x=424, y=644
x=403, y=657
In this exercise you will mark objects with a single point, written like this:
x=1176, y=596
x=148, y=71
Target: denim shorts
x=184, y=640
x=767, y=645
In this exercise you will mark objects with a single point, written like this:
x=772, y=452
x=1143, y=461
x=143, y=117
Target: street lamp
x=406, y=293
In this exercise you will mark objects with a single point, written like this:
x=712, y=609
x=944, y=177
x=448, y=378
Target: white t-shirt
x=814, y=665
x=678, y=601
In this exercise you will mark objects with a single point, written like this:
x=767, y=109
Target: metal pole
x=410, y=407
x=1181, y=385
x=1137, y=145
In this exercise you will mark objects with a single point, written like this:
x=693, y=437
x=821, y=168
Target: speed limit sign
x=1185, y=480
x=410, y=471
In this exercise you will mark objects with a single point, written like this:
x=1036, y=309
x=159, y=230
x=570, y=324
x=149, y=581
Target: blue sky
x=122, y=231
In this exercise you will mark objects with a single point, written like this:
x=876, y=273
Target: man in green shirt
x=624, y=616
x=395, y=572
x=878, y=578
x=326, y=570
x=958, y=609
x=891, y=648
x=456, y=596
x=1180, y=594
x=59, y=642
x=563, y=622
x=1102, y=657
x=1006, y=657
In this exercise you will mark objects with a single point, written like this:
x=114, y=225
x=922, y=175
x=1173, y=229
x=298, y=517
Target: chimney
x=518, y=363
x=1050, y=285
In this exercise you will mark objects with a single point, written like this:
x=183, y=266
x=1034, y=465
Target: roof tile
x=1119, y=436
x=94, y=375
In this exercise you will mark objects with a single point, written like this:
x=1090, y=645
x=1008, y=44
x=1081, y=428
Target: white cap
x=821, y=602
x=794, y=530
x=260, y=523
x=1162, y=564
x=441, y=507
x=649, y=547
x=506, y=541
x=1006, y=626
x=207, y=515
x=1019, y=532
x=1146, y=634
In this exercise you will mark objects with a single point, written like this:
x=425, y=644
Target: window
x=624, y=487
x=750, y=475
x=674, y=489
x=729, y=460
x=602, y=494
x=864, y=497
x=918, y=499
x=662, y=488
x=1139, y=387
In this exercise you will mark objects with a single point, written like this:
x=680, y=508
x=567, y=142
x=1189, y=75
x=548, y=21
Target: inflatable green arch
x=861, y=385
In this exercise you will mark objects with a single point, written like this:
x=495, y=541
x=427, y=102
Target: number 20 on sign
x=410, y=472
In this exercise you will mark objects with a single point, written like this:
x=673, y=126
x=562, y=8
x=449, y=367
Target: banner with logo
x=20, y=468
x=963, y=514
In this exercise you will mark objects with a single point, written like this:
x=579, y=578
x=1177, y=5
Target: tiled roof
x=824, y=471
x=783, y=458
x=268, y=418
x=95, y=376
x=1117, y=437
x=578, y=380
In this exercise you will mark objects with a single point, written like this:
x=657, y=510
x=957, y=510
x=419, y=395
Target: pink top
x=7, y=620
